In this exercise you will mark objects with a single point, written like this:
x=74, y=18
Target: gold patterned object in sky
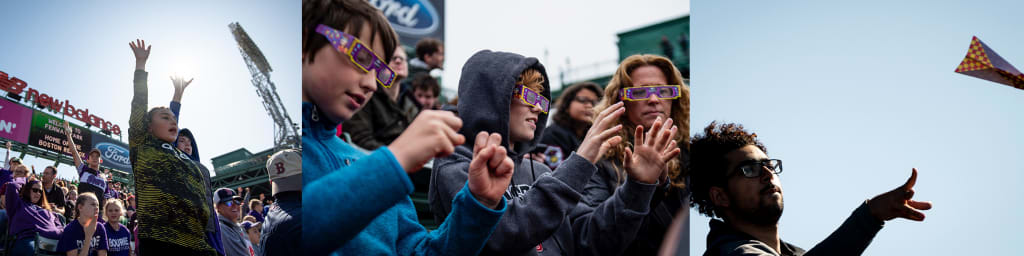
x=982, y=62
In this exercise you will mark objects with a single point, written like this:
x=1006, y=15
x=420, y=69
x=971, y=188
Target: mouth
x=532, y=121
x=771, y=190
x=355, y=100
x=652, y=112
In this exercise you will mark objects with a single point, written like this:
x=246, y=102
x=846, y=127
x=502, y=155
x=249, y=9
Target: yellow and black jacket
x=172, y=205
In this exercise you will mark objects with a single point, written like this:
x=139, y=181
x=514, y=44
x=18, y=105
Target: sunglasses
x=36, y=190
x=754, y=168
x=581, y=100
x=532, y=98
x=359, y=54
x=639, y=93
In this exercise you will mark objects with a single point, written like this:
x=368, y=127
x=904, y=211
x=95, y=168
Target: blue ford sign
x=414, y=19
x=114, y=155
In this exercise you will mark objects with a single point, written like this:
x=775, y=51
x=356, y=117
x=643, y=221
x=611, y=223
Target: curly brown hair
x=680, y=112
x=708, y=163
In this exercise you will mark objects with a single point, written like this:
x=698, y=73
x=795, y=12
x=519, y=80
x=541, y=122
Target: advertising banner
x=113, y=152
x=48, y=133
x=414, y=19
x=15, y=121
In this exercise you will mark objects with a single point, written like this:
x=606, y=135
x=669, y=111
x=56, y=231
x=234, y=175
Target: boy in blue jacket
x=361, y=202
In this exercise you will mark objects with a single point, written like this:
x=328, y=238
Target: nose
x=767, y=175
x=653, y=99
x=369, y=81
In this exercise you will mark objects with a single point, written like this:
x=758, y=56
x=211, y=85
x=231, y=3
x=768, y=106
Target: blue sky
x=852, y=95
x=79, y=51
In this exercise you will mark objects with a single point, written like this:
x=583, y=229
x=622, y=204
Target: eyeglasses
x=359, y=54
x=665, y=92
x=36, y=190
x=532, y=98
x=581, y=100
x=233, y=202
x=753, y=168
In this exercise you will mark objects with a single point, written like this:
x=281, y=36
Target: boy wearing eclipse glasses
x=345, y=48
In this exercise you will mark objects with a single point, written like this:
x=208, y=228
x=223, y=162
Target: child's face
x=89, y=209
x=94, y=159
x=426, y=98
x=113, y=212
x=185, y=144
x=334, y=84
x=163, y=125
x=522, y=120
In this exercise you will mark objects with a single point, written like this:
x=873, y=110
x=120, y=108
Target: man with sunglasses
x=733, y=178
x=234, y=240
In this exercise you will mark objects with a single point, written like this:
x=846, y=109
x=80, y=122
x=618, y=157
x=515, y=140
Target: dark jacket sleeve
x=852, y=237
x=361, y=128
x=610, y=226
x=531, y=218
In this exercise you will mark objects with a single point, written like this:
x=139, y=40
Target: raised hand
x=432, y=134
x=179, y=86
x=897, y=203
x=67, y=129
x=651, y=151
x=490, y=171
x=141, y=52
x=599, y=138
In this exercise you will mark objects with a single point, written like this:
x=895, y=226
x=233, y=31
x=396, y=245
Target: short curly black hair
x=708, y=163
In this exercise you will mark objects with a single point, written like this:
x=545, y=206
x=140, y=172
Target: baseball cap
x=224, y=195
x=285, y=171
x=249, y=224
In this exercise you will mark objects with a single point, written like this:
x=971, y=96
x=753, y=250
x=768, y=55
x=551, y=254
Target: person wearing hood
x=186, y=142
x=652, y=91
x=506, y=94
x=345, y=47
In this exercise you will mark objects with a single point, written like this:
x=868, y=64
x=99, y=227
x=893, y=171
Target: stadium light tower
x=286, y=133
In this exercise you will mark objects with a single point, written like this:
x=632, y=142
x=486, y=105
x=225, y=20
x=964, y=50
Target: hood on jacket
x=195, y=149
x=485, y=97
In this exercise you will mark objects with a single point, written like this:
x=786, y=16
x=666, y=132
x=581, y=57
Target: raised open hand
x=651, y=151
x=67, y=128
x=180, y=84
x=141, y=52
x=599, y=138
x=897, y=203
x=490, y=171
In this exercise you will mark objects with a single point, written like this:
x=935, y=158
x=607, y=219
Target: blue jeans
x=25, y=246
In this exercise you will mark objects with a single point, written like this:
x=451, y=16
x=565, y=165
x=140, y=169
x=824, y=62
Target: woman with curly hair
x=652, y=90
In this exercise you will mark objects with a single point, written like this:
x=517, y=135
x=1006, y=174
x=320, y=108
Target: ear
x=718, y=196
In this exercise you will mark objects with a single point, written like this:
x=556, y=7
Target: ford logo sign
x=115, y=154
x=415, y=17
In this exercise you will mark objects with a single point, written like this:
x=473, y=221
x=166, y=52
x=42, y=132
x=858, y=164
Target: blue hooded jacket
x=363, y=206
x=211, y=237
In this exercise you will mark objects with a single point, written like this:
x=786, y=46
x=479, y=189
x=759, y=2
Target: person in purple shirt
x=89, y=178
x=83, y=230
x=29, y=214
x=118, y=236
x=256, y=210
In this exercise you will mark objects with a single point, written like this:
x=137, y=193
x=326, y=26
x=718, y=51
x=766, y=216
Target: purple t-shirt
x=73, y=235
x=118, y=242
x=257, y=215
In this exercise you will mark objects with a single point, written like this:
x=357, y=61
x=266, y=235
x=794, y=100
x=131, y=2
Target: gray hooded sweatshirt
x=537, y=220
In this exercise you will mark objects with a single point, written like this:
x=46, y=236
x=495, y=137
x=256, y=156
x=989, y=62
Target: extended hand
x=897, y=203
x=599, y=138
x=434, y=133
x=141, y=52
x=651, y=151
x=490, y=171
